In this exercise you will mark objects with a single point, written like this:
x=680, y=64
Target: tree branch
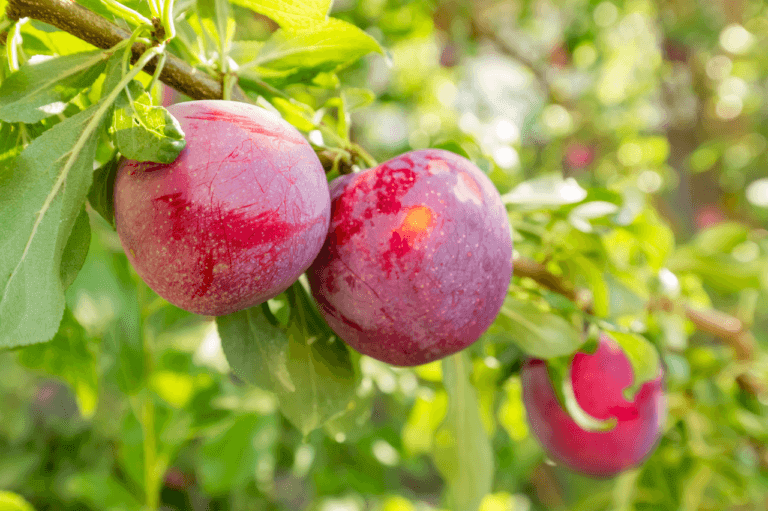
x=90, y=27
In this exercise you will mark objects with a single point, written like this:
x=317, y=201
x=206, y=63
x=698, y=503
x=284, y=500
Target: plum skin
x=598, y=381
x=418, y=258
x=234, y=220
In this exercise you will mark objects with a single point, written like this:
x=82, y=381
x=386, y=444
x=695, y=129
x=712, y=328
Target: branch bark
x=92, y=28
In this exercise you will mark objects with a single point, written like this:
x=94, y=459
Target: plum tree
x=598, y=382
x=418, y=258
x=234, y=220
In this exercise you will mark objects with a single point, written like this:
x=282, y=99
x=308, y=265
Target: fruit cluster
x=409, y=261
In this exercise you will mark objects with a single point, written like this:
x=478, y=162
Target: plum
x=598, y=382
x=234, y=220
x=418, y=258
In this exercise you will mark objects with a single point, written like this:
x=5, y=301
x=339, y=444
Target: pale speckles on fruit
x=437, y=167
x=466, y=189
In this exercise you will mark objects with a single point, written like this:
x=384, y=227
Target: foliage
x=628, y=142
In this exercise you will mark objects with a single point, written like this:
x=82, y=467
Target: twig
x=719, y=324
x=89, y=26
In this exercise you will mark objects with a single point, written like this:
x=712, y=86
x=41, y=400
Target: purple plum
x=234, y=220
x=418, y=258
x=598, y=382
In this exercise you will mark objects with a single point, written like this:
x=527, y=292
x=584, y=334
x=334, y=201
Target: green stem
x=364, y=155
x=13, y=45
x=129, y=46
x=154, y=8
x=158, y=70
x=126, y=12
x=227, y=85
x=145, y=410
x=151, y=474
x=170, y=28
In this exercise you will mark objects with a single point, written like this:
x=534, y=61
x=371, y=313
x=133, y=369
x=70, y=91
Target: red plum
x=418, y=258
x=598, y=382
x=234, y=220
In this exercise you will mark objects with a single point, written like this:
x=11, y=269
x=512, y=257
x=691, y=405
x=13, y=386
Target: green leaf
x=355, y=98
x=654, y=237
x=550, y=191
x=57, y=42
x=290, y=13
x=37, y=91
x=256, y=350
x=144, y=132
x=642, y=356
x=559, y=370
x=101, y=194
x=538, y=333
x=584, y=268
x=10, y=144
x=40, y=199
x=426, y=415
x=325, y=381
x=13, y=502
x=511, y=412
x=68, y=356
x=100, y=490
x=452, y=146
x=328, y=45
x=720, y=238
x=462, y=450
x=229, y=458
x=309, y=370
x=218, y=13
x=76, y=249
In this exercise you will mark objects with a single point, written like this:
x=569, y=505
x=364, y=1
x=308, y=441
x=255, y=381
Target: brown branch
x=716, y=323
x=90, y=27
x=539, y=273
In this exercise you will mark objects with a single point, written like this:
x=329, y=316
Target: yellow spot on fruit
x=417, y=220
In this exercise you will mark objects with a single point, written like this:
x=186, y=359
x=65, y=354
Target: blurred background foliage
x=629, y=139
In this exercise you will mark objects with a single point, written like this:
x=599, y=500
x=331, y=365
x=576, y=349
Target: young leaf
x=37, y=91
x=332, y=43
x=101, y=196
x=462, y=449
x=256, y=350
x=76, y=249
x=539, y=334
x=643, y=358
x=290, y=13
x=40, y=199
x=549, y=191
x=218, y=12
x=559, y=370
x=144, y=132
